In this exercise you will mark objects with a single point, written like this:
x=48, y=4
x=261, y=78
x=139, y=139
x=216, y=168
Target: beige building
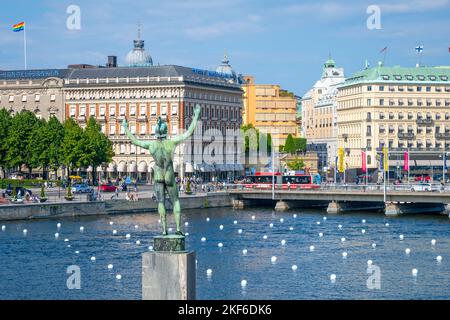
x=270, y=109
x=38, y=91
x=319, y=115
x=400, y=108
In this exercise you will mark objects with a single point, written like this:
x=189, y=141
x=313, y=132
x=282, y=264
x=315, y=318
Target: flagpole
x=25, y=46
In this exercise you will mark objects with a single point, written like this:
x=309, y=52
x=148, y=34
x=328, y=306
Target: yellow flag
x=341, y=160
x=385, y=159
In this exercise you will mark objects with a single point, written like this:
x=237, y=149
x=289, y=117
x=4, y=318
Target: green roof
x=400, y=74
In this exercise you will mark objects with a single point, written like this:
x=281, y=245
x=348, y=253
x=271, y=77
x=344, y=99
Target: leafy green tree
x=19, y=140
x=98, y=145
x=72, y=148
x=300, y=144
x=55, y=132
x=5, y=122
x=38, y=146
x=296, y=164
x=289, y=145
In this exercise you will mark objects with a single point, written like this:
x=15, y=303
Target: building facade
x=270, y=109
x=319, y=115
x=404, y=109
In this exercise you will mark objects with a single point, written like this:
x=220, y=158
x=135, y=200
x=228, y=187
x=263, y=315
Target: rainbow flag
x=19, y=27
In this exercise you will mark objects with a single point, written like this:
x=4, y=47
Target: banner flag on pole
x=341, y=160
x=364, y=161
x=385, y=159
x=406, y=161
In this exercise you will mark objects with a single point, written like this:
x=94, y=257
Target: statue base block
x=168, y=276
x=169, y=243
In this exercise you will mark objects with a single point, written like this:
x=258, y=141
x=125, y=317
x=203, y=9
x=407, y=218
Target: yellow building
x=404, y=109
x=270, y=109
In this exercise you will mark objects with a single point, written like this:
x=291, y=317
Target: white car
x=422, y=187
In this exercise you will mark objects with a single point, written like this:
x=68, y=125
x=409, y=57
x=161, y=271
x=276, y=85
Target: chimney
x=112, y=62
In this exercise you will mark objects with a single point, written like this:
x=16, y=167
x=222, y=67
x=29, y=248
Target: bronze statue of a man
x=162, y=150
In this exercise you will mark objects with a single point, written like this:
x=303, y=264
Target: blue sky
x=283, y=42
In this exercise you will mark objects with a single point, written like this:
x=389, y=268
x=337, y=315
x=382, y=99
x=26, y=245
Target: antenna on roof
x=139, y=31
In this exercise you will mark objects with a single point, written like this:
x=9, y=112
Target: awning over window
x=122, y=167
x=142, y=167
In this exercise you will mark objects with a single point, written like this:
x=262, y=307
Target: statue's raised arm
x=134, y=140
x=190, y=131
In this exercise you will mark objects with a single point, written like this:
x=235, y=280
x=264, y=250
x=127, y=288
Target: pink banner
x=364, y=161
x=406, y=161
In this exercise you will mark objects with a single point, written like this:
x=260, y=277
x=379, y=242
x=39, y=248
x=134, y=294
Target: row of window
x=132, y=127
x=37, y=98
x=401, y=129
x=410, y=102
x=409, y=144
x=410, y=116
x=409, y=88
x=122, y=110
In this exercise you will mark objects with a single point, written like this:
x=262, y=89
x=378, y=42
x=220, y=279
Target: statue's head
x=161, y=129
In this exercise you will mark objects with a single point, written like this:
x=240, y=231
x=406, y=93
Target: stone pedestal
x=281, y=206
x=170, y=243
x=168, y=275
x=334, y=207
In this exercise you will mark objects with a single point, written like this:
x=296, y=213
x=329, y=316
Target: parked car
x=81, y=188
x=107, y=187
x=426, y=178
x=20, y=191
x=422, y=187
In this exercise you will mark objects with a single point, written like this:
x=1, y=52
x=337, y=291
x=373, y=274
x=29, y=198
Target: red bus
x=295, y=181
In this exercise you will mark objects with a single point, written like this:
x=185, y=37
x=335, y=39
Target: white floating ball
x=387, y=224
x=220, y=245
x=363, y=221
x=333, y=277
x=209, y=272
x=25, y=231
x=265, y=237
x=244, y=251
x=369, y=262
x=344, y=254
x=324, y=218
x=118, y=277
x=170, y=229
x=58, y=225
x=318, y=222
x=240, y=231
x=81, y=228
x=3, y=228
x=136, y=226
x=77, y=252
x=283, y=242
x=363, y=231
x=111, y=223
x=110, y=266
x=243, y=283
x=273, y=259
x=433, y=242
x=311, y=248
x=57, y=235
x=414, y=272
x=294, y=267
x=281, y=220
x=340, y=226
x=203, y=239
x=207, y=219
x=294, y=215
x=321, y=234
x=159, y=221
x=186, y=223
x=342, y=239
x=438, y=258
x=68, y=246
x=253, y=217
x=150, y=248
x=271, y=225
x=93, y=259
x=66, y=240
x=128, y=236
x=401, y=237
x=374, y=245
x=407, y=250
x=114, y=231
x=235, y=222
x=221, y=227
x=291, y=228
x=138, y=242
